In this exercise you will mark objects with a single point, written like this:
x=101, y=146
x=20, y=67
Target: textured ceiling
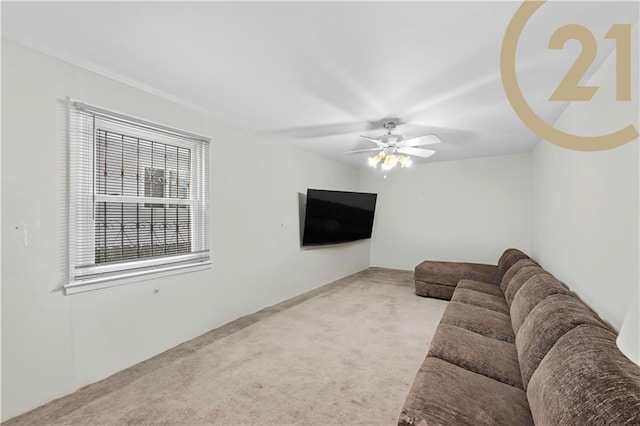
x=320, y=74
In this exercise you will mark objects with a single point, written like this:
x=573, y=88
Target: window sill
x=97, y=283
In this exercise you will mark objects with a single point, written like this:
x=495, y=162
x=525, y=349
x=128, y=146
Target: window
x=139, y=199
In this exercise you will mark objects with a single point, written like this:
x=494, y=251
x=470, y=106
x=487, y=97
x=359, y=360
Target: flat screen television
x=333, y=217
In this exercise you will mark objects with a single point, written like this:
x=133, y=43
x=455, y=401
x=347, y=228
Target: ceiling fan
x=390, y=145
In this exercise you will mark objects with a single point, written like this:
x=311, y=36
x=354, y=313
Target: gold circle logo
x=565, y=91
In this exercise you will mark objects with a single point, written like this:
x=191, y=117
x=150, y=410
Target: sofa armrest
x=449, y=273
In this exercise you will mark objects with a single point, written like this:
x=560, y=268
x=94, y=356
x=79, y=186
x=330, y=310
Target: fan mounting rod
x=389, y=125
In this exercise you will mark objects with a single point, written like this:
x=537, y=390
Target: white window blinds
x=138, y=199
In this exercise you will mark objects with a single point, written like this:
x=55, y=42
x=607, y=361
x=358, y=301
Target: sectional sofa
x=517, y=347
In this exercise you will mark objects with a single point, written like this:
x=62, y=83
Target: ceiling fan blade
x=418, y=152
x=362, y=150
x=374, y=140
x=322, y=130
x=420, y=140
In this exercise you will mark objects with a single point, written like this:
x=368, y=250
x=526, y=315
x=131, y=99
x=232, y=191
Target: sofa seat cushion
x=547, y=322
x=536, y=289
x=474, y=352
x=479, y=320
x=483, y=300
x=585, y=380
x=445, y=394
x=482, y=287
x=449, y=273
x=438, y=291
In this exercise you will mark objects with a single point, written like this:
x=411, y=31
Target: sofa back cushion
x=585, y=380
x=508, y=258
x=532, y=292
x=547, y=322
x=508, y=275
x=519, y=279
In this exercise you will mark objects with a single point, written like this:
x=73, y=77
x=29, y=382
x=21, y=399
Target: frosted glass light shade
x=629, y=337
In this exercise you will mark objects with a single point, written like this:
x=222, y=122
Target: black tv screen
x=337, y=216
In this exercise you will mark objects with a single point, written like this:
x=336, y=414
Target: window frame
x=84, y=120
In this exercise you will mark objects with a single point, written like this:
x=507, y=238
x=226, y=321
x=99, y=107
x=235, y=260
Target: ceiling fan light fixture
x=391, y=145
x=405, y=161
x=373, y=161
x=389, y=162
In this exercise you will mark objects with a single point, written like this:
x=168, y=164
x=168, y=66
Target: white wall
x=585, y=221
x=468, y=210
x=52, y=344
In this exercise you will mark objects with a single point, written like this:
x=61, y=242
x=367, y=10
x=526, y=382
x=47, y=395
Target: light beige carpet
x=344, y=354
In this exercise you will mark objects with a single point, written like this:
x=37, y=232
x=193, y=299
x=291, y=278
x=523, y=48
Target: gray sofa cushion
x=474, y=352
x=437, y=291
x=508, y=275
x=547, y=322
x=449, y=273
x=536, y=289
x=481, y=286
x=479, y=320
x=585, y=380
x=445, y=394
x=519, y=279
x=483, y=300
x=508, y=259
